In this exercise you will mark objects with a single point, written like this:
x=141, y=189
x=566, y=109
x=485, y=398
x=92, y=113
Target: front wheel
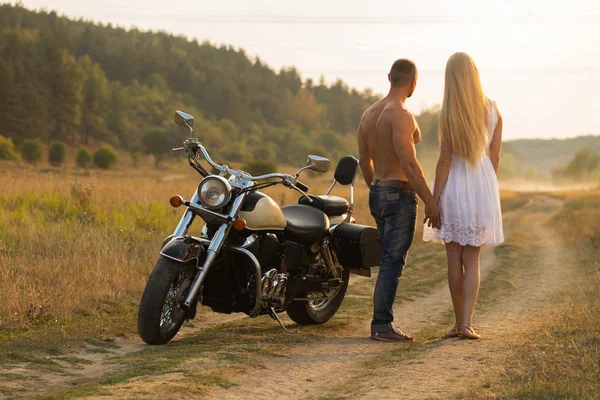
x=319, y=311
x=160, y=316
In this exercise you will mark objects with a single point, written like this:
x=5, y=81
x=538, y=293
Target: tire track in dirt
x=96, y=363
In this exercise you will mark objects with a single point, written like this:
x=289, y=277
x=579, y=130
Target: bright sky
x=539, y=59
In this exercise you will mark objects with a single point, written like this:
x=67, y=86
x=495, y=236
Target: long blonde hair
x=464, y=109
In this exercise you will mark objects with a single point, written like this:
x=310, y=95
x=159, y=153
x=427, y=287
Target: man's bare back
x=386, y=151
x=375, y=132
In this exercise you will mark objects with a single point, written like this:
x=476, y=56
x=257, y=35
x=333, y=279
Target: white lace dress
x=470, y=201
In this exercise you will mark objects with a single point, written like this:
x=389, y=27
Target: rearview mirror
x=317, y=163
x=184, y=119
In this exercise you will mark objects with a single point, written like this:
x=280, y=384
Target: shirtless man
x=387, y=135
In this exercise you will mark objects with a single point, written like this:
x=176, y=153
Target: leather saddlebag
x=358, y=246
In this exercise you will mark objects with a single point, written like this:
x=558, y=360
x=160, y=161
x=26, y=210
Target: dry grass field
x=78, y=243
x=77, y=246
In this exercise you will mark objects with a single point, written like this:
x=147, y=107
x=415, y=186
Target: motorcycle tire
x=320, y=311
x=159, y=315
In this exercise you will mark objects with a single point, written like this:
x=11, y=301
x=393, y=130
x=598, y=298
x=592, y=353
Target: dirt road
x=340, y=361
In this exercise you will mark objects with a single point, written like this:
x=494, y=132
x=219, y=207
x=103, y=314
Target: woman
x=466, y=186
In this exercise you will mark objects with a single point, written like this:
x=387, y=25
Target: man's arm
x=403, y=129
x=364, y=158
x=417, y=134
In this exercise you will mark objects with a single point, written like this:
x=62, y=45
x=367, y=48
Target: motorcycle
x=253, y=256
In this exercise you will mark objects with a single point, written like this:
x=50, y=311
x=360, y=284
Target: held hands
x=432, y=215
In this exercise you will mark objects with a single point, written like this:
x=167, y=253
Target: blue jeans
x=395, y=212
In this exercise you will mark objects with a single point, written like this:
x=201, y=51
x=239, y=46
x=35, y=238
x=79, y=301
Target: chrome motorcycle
x=252, y=255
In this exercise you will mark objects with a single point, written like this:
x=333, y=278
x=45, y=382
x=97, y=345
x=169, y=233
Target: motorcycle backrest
x=346, y=170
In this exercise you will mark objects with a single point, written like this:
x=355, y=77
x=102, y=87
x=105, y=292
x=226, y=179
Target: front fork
x=214, y=247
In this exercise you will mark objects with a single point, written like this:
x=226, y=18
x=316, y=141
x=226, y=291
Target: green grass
x=32, y=362
x=74, y=361
x=15, y=377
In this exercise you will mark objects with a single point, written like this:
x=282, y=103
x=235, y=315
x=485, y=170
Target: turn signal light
x=176, y=201
x=239, y=224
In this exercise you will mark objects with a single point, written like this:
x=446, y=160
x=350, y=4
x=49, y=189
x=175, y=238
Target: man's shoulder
x=399, y=113
x=372, y=108
x=370, y=115
x=401, y=120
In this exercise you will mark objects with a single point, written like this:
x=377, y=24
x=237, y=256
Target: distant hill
x=544, y=154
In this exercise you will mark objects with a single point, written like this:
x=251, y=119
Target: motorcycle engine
x=268, y=251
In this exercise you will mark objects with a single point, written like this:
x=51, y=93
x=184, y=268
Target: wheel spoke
x=321, y=304
x=170, y=306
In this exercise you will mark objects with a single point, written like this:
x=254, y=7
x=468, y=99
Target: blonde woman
x=466, y=187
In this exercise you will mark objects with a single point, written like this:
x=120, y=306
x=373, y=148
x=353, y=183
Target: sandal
x=466, y=332
x=452, y=333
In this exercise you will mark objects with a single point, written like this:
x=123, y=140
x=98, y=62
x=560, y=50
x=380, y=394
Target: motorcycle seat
x=330, y=205
x=305, y=224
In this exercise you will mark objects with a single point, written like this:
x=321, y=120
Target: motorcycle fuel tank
x=262, y=213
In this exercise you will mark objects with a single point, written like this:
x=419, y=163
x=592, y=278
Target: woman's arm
x=442, y=170
x=496, y=144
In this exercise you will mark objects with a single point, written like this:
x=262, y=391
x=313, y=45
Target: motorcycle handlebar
x=231, y=171
x=208, y=159
x=284, y=177
x=302, y=186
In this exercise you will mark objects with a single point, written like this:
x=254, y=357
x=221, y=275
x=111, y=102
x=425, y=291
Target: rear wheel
x=160, y=315
x=320, y=310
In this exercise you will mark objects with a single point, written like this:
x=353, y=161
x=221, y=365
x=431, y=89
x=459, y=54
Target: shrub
x=32, y=150
x=235, y=153
x=105, y=157
x=264, y=153
x=83, y=157
x=57, y=153
x=135, y=158
x=156, y=143
x=7, y=149
x=136, y=151
x=260, y=167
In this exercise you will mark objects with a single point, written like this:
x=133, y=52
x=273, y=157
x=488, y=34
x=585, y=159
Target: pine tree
x=67, y=102
x=93, y=108
x=10, y=104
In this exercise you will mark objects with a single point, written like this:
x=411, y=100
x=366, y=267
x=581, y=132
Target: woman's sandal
x=452, y=333
x=466, y=332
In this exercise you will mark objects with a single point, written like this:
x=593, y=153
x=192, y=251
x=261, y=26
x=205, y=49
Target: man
x=387, y=135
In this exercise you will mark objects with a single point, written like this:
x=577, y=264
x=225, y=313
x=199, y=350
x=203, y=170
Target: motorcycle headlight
x=214, y=192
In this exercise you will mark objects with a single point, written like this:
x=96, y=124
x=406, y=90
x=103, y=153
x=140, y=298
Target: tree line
x=80, y=82
x=583, y=166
